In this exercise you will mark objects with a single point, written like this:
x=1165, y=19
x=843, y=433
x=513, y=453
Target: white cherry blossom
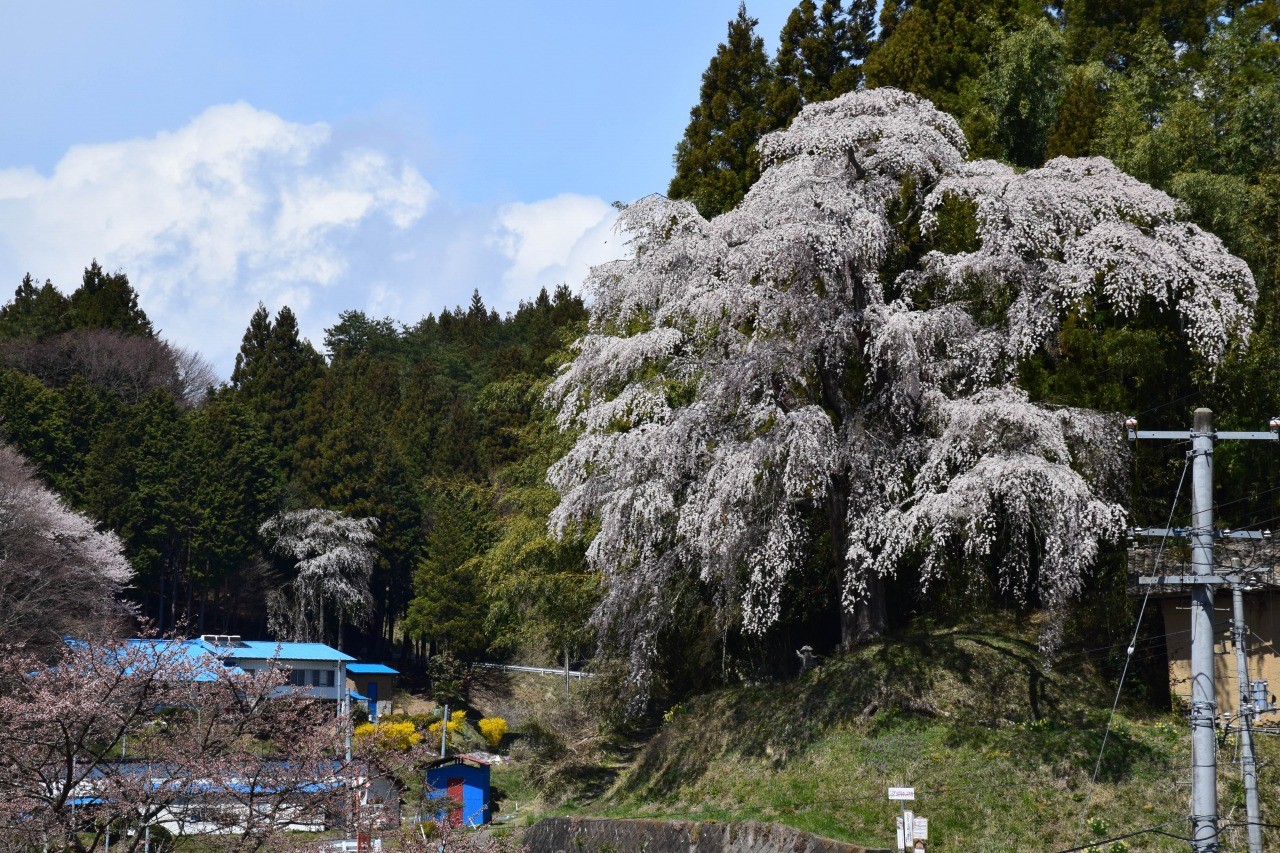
x=744, y=373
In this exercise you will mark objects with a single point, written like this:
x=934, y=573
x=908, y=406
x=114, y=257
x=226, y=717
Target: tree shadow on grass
x=971, y=681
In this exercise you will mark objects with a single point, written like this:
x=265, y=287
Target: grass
x=1000, y=749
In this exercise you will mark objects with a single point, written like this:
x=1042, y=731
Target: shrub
x=494, y=730
x=456, y=719
x=560, y=745
x=388, y=736
x=450, y=679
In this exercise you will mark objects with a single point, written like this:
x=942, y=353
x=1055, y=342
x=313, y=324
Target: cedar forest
x=552, y=483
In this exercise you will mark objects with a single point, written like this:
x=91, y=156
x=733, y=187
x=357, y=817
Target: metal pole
x=444, y=729
x=1248, y=765
x=344, y=707
x=1204, y=782
x=566, y=672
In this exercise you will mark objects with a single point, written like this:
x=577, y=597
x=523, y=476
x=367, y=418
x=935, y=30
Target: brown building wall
x=1262, y=614
x=386, y=685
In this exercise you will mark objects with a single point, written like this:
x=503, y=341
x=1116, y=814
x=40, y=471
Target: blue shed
x=464, y=781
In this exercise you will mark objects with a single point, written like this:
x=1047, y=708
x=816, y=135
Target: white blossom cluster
x=58, y=572
x=745, y=372
x=334, y=563
x=1079, y=232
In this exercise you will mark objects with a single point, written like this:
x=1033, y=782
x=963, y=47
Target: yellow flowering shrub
x=388, y=736
x=494, y=730
x=456, y=721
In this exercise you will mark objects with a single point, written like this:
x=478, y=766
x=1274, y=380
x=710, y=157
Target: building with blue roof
x=459, y=791
x=315, y=667
x=377, y=683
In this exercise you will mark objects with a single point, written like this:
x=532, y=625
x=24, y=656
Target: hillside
x=999, y=747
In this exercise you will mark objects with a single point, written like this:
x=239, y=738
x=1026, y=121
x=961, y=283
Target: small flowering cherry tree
x=112, y=743
x=744, y=373
x=58, y=573
x=104, y=740
x=335, y=558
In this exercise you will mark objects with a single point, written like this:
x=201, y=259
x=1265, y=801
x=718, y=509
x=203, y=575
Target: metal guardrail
x=541, y=670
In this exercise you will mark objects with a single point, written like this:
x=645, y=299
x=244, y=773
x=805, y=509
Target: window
x=298, y=677
x=327, y=679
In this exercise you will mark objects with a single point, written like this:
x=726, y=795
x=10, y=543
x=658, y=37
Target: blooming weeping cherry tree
x=58, y=573
x=334, y=556
x=744, y=374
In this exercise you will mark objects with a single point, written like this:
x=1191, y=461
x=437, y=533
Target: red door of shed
x=454, y=792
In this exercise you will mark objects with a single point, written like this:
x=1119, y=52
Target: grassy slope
x=999, y=748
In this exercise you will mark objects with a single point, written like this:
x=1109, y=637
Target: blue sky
x=383, y=156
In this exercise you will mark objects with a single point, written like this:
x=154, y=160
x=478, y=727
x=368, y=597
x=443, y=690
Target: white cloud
x=237, y=206
x=241, y=206
x=553, y=241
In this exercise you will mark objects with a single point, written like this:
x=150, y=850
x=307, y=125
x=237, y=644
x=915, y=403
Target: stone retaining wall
x=591, y=835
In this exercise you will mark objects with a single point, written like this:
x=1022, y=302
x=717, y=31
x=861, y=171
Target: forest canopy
x=866, y=366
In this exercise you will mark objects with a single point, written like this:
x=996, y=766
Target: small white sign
x=920, y=829
x=902, y=793
x=902, y=839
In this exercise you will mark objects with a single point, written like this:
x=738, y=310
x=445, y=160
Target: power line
x=1156, y=830
x=1097, y=767
x=1160, y=406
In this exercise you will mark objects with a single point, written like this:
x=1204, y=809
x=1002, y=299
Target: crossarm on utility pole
x=1203, y=580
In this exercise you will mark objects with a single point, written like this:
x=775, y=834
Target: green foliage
x=450, y=601
x=1021, y=91
x=939, y=49
x=716, y=162
x=450, y=679
x=274, y=373
x=36, y=422
x=237, y=487
x=35, y=312
x=107, y=301
x=821, y=51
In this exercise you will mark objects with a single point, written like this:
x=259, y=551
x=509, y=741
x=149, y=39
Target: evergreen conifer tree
x=821, y=49
x=716, y=162
x=107, y=301
x=275, y=370
x=36, y=312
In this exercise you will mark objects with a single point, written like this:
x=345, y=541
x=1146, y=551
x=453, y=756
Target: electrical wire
x=1251, y=497
x=1160, y=406
x=1097, y=767
x=1156, y=830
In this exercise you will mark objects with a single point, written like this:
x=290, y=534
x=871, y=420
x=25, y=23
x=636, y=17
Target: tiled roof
x=359, y=668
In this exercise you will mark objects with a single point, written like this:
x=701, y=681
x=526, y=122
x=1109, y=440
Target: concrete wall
x=581, y=835
x=1261, y=612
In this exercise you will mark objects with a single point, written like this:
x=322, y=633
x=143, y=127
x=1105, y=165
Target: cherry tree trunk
x=867, y=620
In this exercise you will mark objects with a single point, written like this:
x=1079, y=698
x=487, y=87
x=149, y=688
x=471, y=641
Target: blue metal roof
x=268, y=649
x=371, y=669
x=193, y=650
x=359, y=697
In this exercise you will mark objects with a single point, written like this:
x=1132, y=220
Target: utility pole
x=1248, y=764
x=1203, y=582
x=1204, y=759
